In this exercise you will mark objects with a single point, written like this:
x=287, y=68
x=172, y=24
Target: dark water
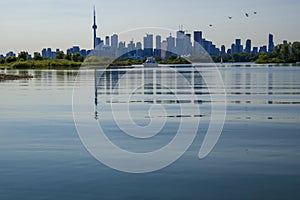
x=256, y=157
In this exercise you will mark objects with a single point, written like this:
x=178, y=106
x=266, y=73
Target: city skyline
x=56, y=24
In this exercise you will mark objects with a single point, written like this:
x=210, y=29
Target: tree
x=285, y=51
x=296, y=51
x=60, y=55
x=23, y=56
x=68, y=56
x=37, y=56
x=77, y=57
x=10, y=59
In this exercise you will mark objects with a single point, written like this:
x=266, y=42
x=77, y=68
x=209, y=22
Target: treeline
x=61, y=60
x=283, y=53
x=236, y=57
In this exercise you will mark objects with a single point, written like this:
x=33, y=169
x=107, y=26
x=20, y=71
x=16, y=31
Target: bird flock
x=247, y=15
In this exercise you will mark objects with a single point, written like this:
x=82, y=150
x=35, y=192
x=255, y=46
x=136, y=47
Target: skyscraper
x=197, y=42
x=248, y=46
x=107, y=41
x=148, y=45
x=238, y=46
x=271, y=43
x=94, y=27
x=170, y=46
x=157, y=51
x=114, y=41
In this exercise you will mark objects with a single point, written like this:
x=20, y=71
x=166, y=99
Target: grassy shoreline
x=42, y=64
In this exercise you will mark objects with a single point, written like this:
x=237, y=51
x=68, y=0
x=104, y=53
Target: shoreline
x=9, y=77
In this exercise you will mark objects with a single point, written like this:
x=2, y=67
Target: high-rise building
x=158, y=42
x=197, y=42
x=107, y=41
x=223, y=49
x=238, y=46
x=255, y=50
x=179, y=42
x=187, y=44
x=248, y=46
x=139, y=50
x=148, y=45
x=157, y=51
x=94, y=27
x=170, y=46
x=271, y=43
x=114, y=41
x=233, y=49
x=197, y=36
x=263, y=49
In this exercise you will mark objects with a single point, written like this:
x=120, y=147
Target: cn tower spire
x=95, y=28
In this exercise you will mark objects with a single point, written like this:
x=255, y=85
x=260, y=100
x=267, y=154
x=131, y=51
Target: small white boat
x=150, y=62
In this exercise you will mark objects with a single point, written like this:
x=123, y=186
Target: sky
x=32, y=25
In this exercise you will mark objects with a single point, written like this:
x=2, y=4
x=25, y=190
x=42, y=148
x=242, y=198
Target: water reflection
x=163, y=86
x=253, y=93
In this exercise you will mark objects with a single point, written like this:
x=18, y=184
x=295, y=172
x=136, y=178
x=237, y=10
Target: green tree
x=2, y=61
x=23, y=56
x=68, y=56
x=296, y=51
x=285, y=52
x=60, y=55
x=10, y=59
x=77, y=57
x=37, y=56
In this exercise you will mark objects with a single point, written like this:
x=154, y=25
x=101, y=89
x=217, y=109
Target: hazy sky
x=34, y=24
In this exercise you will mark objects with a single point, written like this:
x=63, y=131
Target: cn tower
x=95, y=28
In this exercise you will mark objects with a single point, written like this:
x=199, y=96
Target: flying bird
x=247, y=14
x=229, y=17
x=210, y=25
x=254, y=12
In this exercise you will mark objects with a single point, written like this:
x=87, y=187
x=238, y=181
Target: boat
x=150, y=62
x=298, y=63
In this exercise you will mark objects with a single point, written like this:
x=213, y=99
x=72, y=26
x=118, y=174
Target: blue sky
x=31, y=25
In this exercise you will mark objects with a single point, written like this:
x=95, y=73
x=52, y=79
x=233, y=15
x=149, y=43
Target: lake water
x=257, y=155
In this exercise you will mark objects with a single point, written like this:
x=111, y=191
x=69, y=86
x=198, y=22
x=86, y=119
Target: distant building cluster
x=181, y=45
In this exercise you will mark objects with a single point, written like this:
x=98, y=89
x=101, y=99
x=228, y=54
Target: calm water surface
x=257, y=156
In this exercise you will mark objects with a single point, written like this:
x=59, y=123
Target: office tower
x=76, y=49
x=233, y=49
x=248, y=46
x=255, y=50
x=223, y=49
x=187, y=44
x=179, y=42
x=148, y=45
x=107, y=41
x=271, y=43
x=197, y=36
x=263, y=49
x=197, y=42
x=114, y=41
x=170, y=46
x=158, y=46
x=98, y=42
x=139, y=50
x=95, y=28
x=238, y=46
x=158, y=41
